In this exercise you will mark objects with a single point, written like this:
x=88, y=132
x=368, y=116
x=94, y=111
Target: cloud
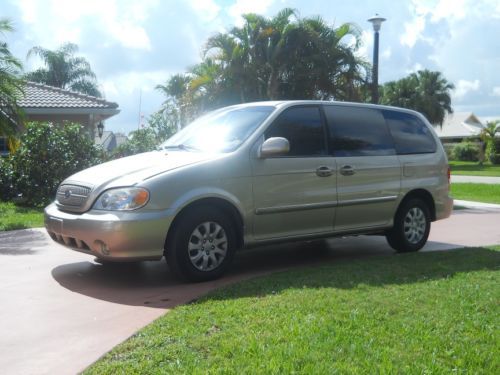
x=59, y=21
x=207, y=10
x=442, y=9
x=464, y=87
x=413, y=30
x=248, y=6
x=496, y=91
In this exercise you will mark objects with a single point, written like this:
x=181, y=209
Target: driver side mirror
x=275, y=146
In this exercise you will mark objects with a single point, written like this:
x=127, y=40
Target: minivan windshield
x=223, y=130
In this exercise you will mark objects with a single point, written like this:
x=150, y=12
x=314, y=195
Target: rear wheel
x=202, y=245
x=411, y=228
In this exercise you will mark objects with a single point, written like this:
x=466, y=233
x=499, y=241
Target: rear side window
x=303, y=127
x=357, y=131
x=410, y=134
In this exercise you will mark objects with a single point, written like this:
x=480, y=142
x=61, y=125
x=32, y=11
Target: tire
x=202, y=244
x=412, y=225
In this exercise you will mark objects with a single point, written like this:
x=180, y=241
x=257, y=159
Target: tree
x=161, y=125
x=283, y=57
x=64, y=70
x=426, y=91
x=11, y=85
x=488, y=136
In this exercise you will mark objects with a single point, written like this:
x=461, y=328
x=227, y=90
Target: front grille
x=72, y=195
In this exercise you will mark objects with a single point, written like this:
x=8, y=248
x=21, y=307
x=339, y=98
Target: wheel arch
x=425, y=196
x=217, y=203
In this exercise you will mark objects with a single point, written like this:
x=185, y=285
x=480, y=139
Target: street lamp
x=376, y=21
x=100, y=129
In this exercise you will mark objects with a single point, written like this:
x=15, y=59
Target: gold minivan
x=255, y=174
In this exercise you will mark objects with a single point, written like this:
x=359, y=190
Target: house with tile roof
x=47, y=103
x=458, y=126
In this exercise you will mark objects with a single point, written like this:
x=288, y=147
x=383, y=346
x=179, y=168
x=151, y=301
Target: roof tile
x=37, y=95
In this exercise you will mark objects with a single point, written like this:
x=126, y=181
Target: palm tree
x=64, y=70
x=488, y=137
x=434, y=92
x=11, y=85
x=286, y=57
x=426, y=91
x=283, y=57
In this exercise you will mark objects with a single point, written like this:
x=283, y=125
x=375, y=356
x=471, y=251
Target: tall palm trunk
x=273, y=85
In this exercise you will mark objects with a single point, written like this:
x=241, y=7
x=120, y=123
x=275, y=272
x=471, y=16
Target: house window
x=4, y=148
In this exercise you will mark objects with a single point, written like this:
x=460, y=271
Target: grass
x=434, y=312
x=18, y=217
x=486, y=193
x=470, y=168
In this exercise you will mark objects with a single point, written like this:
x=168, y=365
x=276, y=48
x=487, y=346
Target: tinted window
x=356, y=131
x=410, y=134
x=302, y=126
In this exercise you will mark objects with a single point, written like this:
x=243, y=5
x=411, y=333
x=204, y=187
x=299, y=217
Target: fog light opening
x=101, y=247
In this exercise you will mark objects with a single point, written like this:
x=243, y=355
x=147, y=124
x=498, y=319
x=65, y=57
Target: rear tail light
x=449, y=176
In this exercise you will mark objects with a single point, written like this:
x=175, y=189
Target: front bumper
x=131, y=235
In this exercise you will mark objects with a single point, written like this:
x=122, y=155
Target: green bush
x=47, y=155
x=159, y=128
x=494, y=159
x=466, y=151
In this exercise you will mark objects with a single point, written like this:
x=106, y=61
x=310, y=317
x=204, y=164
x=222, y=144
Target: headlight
x=122, y=199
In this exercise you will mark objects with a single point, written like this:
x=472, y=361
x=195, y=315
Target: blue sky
x=135, y=45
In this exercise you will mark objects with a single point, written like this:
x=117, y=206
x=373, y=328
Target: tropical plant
x=425, y=91
x=64, y=70
x=283, y=57
x=488, y=136
x=47, y=154
x=161, y=125
x=11, y=85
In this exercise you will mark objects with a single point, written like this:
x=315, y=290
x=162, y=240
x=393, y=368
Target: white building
x=459, y=125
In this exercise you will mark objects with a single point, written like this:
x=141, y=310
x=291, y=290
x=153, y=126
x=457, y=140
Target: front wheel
x=411, y=228
x=202, y=245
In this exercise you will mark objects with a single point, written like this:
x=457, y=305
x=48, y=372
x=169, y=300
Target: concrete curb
x=477, y=205
x=475, y=179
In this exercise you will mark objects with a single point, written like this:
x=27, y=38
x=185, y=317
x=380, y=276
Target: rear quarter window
x=411, y=135
x=358, y=131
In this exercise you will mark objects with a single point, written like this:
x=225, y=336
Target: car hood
x=131, y=170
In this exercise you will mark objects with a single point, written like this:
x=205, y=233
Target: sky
x=133, y=46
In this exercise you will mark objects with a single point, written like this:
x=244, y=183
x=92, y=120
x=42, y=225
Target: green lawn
x=17, y=217
x=434, y=312
x=469, y=168
x=476, y=192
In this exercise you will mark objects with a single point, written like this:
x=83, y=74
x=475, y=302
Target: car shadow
x=151, y=284
x=22, y=242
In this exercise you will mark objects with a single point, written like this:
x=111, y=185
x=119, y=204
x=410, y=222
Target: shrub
x=47, y=154
x=494, y=158
x=466, y=151
x=159, y=128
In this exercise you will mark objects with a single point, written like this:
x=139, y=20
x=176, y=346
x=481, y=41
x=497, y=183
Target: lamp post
x=376, y=21
x=100, y=129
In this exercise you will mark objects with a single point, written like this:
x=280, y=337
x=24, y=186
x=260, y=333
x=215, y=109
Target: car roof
x=289, y=103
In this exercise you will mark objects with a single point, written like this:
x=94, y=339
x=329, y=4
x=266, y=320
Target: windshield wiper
x=179, y=146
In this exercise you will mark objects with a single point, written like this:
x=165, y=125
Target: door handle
x=347, y=170
x=324, y=171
